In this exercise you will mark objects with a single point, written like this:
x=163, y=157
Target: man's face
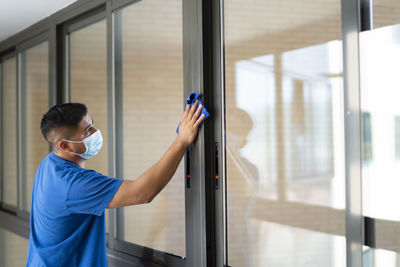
x=84, y=130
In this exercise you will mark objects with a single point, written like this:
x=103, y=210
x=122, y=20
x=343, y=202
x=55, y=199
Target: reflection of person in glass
x=242, y=180
x=68, y=201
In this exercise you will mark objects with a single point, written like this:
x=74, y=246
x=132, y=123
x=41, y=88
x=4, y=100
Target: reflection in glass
x=152, y=107
x=37, y=103
x=9, y=128
x=88, y=83
x=380, y=62
x=385, y=13
x=366, y=137
x=397, y=136
x=379, y=258
x=13, y=249
x=285, y=134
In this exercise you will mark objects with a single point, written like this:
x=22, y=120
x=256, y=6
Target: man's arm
x=151, y=182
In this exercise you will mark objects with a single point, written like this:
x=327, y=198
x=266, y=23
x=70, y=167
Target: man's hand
x=190, y=123
x=151, y=182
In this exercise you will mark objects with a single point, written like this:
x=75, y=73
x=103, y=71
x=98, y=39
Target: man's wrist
x=181, y=143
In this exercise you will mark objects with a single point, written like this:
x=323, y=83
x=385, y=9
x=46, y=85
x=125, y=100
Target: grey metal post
x=218, y=86
x=52, y=64
x=67, y=71
x=118, y=91
x=113, y=143
x=351, y=76
x=20, y=125
x=22, y=131
x=193, y=81
x=1, y=131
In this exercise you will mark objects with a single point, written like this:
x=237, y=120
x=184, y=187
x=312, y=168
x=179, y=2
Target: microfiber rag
x=190, y=100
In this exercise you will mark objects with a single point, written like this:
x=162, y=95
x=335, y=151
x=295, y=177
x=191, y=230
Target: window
x=152, y=107
x=284, y=117
x=88, y=84
x=9, y=138
x=88, y=81
x=36, y=103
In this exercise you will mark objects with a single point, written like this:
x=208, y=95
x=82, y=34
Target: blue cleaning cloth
x=190, y=100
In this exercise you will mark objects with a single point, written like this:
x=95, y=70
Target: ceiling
x=16, y=15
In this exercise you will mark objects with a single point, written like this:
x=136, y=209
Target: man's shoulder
x=53, y=167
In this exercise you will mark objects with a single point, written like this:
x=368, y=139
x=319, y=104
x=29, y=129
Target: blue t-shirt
x=67, y=214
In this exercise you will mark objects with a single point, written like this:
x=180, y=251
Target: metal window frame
x=114, y=103
x=351, y=26
x=21, y=163
x=116, y=80
x=116, y=91
x=215, y=98
x=1, y=131
x=111, y=107
x=195, y=51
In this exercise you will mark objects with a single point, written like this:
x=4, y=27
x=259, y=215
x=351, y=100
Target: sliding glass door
x=285, y=154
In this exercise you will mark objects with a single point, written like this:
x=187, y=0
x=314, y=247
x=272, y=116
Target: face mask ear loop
x=75, y=143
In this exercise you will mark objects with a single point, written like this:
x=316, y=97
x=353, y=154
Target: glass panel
x=88, y=83
x=152, y=107
x=36, y=104
x=9, y=128
x=13, y=249
x=380, y=62
x=285, y=134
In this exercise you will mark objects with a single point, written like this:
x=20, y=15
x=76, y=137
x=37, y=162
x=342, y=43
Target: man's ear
x=63, y=146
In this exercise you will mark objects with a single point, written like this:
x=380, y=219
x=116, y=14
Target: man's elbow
x=148, y=199
x=144, y=198
x=149, y=195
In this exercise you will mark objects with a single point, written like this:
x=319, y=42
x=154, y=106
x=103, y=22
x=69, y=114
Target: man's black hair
x=62, y=115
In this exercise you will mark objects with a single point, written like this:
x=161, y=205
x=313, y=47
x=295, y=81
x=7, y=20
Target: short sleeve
x=91, y=192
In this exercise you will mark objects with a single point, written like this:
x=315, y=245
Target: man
x=68, y=201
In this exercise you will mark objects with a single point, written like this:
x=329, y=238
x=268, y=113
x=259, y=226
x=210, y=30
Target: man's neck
x=73, y=158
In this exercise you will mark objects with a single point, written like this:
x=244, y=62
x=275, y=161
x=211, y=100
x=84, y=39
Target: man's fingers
x=199, y=120
x=193, y=109
x=185, y=114
x=197, y=114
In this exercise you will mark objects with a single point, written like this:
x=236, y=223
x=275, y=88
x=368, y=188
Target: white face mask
x=92, y=143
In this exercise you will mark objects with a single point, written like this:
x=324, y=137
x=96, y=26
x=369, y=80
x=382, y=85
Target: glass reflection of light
x=313, y=122
x=380, y=94
x=313, y=147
